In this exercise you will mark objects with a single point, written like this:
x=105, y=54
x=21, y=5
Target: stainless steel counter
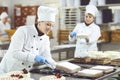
x=63, y=48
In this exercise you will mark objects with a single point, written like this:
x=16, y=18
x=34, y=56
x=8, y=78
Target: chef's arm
x=72, y=39
x=74, y=32
x=47, y=53
x=2, y=32
x=94, y=36
x=17, y=45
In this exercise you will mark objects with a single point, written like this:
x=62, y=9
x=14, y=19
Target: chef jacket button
x=32, y=47
x=36, y=48
x=29, y=66
x=22, y=63
x=34, y=36
x=40, y=39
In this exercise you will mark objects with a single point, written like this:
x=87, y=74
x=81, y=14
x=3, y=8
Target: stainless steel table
x=63, y=48
x=70, y=47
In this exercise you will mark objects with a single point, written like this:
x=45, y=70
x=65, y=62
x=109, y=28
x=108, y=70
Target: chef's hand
x=72, y=34
x=51, y=65
x=40, y=59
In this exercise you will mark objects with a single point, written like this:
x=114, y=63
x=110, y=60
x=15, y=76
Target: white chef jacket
x=82, y=47
x=25, y=45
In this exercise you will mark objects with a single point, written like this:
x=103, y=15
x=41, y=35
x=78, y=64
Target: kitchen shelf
x=71, y=15
x=99, y=6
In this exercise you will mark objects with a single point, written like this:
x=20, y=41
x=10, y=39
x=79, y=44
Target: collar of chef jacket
x=39, y=32
x=90, y=25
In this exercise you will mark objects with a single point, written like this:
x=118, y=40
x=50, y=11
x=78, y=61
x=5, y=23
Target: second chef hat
x=3, y=15
x=92, y=10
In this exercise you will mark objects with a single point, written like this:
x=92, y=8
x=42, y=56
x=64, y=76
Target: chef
x=4, y=24
x=86, y=33
x=31, y=44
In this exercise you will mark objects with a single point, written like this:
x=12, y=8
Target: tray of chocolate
x=88, y=60
x=101, y=61
x=115, y=62
x=82, y=60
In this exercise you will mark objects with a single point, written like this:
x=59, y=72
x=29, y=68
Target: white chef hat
x=92, y=10
x=3, y=15
x=46, y=13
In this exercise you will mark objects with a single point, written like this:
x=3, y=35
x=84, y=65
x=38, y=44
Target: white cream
x=68, y=65
x=51, y=77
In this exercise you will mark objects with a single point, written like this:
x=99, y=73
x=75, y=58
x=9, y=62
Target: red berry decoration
x=25, y=71
x=17, y=75
x=58, y=75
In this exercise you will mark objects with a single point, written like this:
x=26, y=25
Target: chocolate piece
x=20, y=76
x=25, y=71
x=12, y=75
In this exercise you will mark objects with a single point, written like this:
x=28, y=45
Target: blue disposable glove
x=40, y=59
x=43, y=60
x=72, y=34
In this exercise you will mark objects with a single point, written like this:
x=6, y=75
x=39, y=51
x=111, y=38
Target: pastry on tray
x=68, y=67
x=82, y=35
x=83, y=60
x=116, y=62
x=105, y=69
x=16, y=75
x=90, y=73
x=52, y=77
x=100, y=60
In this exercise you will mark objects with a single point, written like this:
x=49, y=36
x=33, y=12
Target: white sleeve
x=95, y=35
x=71, y=39
x=17, y=45
x=47, y=52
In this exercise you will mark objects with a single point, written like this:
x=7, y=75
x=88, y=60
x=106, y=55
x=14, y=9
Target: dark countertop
x=107, y=76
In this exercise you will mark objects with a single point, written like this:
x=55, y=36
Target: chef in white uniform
x=31, y=44
x=89, y=31
x=4, y=24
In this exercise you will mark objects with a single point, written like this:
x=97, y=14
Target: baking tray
x=48, y=71
x=88, y=60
